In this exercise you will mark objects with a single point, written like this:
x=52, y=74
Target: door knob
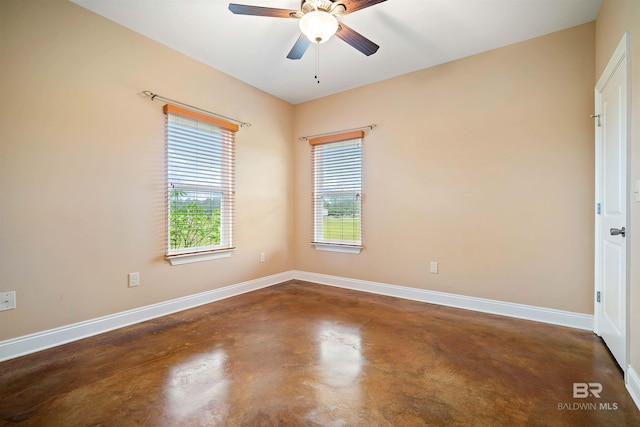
x=616, y=231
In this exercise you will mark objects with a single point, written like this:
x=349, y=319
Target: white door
x=611, y=196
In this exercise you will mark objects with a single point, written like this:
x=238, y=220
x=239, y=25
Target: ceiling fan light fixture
x=318, y=26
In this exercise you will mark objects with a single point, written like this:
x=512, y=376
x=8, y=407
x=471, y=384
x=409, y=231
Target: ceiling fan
x=318, y=22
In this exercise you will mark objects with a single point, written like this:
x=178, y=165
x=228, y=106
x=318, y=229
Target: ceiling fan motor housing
x=324, y=5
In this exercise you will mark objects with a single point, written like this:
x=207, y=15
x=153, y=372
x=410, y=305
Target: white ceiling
x=412, y=34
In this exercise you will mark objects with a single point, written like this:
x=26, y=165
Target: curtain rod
x=306, y=138
x=154, y=96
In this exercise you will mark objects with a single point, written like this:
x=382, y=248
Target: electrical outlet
x=134, y=279
x=433, y=267
x=262, y=256
x=7, y=300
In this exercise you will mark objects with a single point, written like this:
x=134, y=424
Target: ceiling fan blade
x=243, y=9
x=354, y=5
x=299, y=48
x=356, y=40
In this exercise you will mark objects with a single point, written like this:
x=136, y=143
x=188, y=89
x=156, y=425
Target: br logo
x=584, y=390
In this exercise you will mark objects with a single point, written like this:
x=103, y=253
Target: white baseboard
x=27, y=344
x=633, y=385
x=520, y=311
x=32, y=343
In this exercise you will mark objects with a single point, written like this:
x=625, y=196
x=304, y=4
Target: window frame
x=222, y=160
x=319, y=189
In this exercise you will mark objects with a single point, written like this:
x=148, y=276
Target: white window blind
x=337, y=189
x=200, y=182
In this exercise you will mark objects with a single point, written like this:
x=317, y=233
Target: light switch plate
x=433, y=267
x=134, y=279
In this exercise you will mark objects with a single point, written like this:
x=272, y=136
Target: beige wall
x=484, y=164
x=82, y=168
x=617, y=17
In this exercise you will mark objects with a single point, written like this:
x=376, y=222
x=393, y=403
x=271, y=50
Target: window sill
x=180, y=259
x=328, y=247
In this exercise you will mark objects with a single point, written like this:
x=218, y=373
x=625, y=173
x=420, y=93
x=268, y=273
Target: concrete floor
x=300, y=354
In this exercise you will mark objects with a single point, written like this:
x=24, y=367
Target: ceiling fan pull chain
x=318, y=62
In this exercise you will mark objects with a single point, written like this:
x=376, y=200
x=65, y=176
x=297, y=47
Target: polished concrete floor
x=300, y=354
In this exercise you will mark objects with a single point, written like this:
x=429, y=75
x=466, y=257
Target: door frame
x=618, y=59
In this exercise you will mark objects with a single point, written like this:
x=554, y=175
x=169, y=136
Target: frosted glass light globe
x=318, y=26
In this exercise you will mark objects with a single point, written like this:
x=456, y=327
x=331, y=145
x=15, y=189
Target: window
x=337, y=192
x=200, y=184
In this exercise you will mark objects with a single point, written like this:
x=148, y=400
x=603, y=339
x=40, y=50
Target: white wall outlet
x=134, y=279
x=7, y=300
x=433, y=267
x=262, y=257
